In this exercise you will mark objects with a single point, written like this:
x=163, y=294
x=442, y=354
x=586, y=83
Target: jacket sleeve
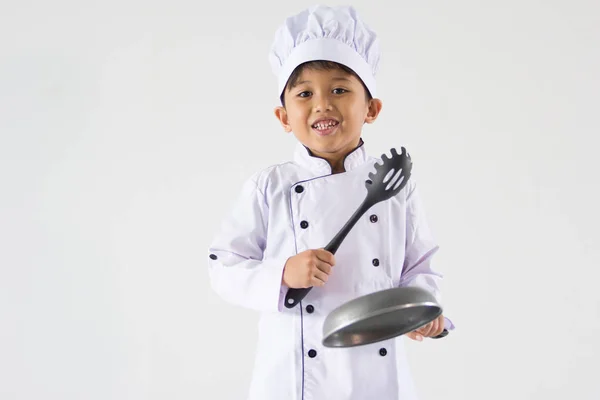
x=420, y=248
x=238, y=273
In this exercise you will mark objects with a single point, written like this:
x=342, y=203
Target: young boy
x=325, y=60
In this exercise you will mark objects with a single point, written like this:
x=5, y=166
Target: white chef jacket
x=299, y=205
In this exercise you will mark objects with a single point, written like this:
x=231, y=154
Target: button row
x=304, y=224
x=312, y=353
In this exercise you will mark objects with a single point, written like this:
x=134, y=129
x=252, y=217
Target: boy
x=325, y=60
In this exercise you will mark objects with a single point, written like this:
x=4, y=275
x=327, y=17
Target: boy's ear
x=373, y=111
x=282, y=116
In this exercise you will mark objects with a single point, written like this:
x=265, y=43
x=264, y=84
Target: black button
x=373, y=218
x=312, y=353
x=303, y=224
x=310, y=309
x=299, y=189
x=382, y=352
x=376, y=262
x=213, y=257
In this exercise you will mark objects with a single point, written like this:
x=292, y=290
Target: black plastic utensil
x=389, y=179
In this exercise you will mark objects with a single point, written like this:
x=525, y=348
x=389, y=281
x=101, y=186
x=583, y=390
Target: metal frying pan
x=379, y=316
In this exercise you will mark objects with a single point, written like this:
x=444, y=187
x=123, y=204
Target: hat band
x=328, y=50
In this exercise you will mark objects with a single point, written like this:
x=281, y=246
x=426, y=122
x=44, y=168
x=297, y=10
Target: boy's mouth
x=325, y=126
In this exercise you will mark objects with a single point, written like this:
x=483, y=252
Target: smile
x=325, y=127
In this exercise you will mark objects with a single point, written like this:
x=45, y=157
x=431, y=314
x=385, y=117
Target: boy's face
x=326, y=110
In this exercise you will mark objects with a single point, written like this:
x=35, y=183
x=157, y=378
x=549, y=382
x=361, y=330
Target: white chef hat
x=325, y=33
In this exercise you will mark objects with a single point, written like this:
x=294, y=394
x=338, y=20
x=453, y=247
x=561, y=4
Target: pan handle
x=441, y=335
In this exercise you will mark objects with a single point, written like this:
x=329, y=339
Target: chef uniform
x=288, y=208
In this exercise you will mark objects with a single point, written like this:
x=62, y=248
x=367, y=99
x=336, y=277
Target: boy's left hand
x=432, y=329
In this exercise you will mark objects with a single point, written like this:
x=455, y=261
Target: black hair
x=319, y=65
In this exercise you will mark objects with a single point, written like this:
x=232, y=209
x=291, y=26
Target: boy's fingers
x=315, y=281
x=430, y=329
x=433, y=328
x=321, y=276
x=424, y=330
x=323, y=266
x=326, y=256
x=414, y=335
x=439, y=326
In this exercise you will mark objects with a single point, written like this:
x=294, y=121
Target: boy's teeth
x=325, y=126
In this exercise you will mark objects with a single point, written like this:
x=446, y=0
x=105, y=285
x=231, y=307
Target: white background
x=126, y=128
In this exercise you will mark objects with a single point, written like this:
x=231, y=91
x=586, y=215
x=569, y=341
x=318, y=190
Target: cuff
x=273, y=286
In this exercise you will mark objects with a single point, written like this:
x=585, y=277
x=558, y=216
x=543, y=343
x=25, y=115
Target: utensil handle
x=335, y=243
x=295, y=296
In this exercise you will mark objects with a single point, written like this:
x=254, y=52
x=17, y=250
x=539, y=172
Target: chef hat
x=325, y=33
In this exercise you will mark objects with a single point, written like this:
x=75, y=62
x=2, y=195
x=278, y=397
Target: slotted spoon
x=389, y=179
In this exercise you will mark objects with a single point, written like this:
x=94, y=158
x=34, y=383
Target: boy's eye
x=339, y=91
x=304, y=94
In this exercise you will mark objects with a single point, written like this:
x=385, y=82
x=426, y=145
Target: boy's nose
x=322, y=103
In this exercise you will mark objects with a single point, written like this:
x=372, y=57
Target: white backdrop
x=126, y=129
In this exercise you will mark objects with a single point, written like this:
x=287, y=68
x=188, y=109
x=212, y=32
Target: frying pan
x=379, y=316
x=383, y=314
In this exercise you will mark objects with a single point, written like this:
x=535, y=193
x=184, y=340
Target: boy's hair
x=320, y=65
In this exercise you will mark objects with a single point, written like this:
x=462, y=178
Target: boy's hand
x=309, y=268
x=432, y=329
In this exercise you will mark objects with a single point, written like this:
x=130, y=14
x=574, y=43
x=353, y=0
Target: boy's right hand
x=309, y=268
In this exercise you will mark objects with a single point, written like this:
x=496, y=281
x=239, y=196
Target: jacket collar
x=304, y=157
